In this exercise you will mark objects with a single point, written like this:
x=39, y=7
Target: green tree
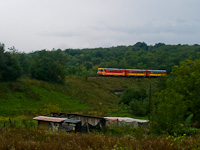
x=186, y=82
x=88, y=65
x=168, y=112
x=10, y=69
x=180, y=99
x=48, y=70
x=2, y=59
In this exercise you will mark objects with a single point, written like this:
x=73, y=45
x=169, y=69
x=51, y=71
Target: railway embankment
x=79, y=94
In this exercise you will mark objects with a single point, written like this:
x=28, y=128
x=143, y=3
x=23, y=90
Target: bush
x=139, y=107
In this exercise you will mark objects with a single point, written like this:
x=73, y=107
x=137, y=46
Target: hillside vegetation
x=66, y=81
x=79, y=94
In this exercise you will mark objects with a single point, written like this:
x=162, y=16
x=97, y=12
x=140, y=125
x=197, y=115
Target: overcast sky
x=32, y=25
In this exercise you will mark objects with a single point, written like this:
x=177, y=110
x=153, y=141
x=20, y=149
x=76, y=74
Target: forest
x=171, y=103
x=44, y=64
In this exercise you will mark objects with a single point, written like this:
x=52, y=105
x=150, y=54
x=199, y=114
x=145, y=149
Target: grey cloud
x=93, y=23
x=60, y=34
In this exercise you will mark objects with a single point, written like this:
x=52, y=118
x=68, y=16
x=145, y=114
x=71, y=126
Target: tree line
x=53, y=65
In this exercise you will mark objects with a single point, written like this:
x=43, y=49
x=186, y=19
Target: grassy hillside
x=79, y=94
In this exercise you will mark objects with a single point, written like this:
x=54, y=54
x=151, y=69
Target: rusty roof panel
x=49, y=119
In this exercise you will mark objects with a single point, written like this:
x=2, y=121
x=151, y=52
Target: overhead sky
x=32, y=25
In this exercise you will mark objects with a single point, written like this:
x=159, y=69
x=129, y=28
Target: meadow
x=92, y=95
x=20, y=139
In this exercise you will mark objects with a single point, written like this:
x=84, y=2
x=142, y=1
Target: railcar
x=111, y=72
x=156, y=73
x=130, y=72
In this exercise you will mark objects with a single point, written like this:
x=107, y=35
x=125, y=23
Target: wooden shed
x=88, y=122
x=49, y=123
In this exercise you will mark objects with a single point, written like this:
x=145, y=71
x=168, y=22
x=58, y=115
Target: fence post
x=10, y=122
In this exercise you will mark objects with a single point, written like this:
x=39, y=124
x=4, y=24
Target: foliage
x=132, y=93
x=186, y=83
x=48, y=70
x=168, y=112
x=136, y=99
x=179, y=100
x=84, y=62
x=10, y=69
x=139, y=107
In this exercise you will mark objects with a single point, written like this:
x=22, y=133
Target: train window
x=100, y=70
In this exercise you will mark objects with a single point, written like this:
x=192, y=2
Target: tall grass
x=36, y=139
x=17, y=122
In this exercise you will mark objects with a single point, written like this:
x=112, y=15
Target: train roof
x=137, y=69
x=134, y=69
x=112, y=68
x=158, y=70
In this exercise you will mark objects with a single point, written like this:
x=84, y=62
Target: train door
x=148, y=73
x=145, y=74
x=124, y=73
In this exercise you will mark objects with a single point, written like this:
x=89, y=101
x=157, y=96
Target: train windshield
x=100, y=70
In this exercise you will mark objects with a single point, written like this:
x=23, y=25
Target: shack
x=58, y=124
x=123, y=121
x=88, y=123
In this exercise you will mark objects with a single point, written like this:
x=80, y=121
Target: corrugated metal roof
x=72, y=121
x=49, y=119
x=86, y=116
